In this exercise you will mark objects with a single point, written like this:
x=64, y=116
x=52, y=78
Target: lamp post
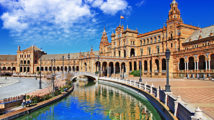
x=0, y=69
x=74, y=66
x=167, y=86
x=52, y=76
x=140, y=80
x=98, y=65
x=54, y=68
x=123, y=70
x=12, y=68
x=63, y=63
x=40, y=77
x=51, y=66
x=68, y=62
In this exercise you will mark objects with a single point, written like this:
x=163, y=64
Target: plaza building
x=192, y=53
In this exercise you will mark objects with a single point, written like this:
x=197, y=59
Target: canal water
x=90, y=101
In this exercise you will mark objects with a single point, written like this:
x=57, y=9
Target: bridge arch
x=91, y=76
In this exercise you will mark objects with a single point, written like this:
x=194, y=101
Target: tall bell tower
x=104, y=42
x=173, y=31
x=174, y=13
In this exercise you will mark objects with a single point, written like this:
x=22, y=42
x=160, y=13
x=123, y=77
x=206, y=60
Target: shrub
x=136, y=73
x=36, y=99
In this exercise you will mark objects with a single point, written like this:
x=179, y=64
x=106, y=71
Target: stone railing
x=176, y=106
x=12, y=101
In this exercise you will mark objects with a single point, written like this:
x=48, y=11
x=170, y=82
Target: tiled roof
x=8, y=57
x=72, y=55
x=201, y=33
x=32, y=47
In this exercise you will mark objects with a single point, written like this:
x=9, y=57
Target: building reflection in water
x=116, y=103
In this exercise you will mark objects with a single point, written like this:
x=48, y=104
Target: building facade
x=192, y=53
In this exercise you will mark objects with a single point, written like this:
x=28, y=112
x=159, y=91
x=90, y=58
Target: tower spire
x=174, y=13
x=104, y=29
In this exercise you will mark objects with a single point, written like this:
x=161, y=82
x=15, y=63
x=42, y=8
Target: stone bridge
x=87, y=74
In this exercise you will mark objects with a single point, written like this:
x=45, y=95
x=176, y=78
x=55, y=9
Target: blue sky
x=69, y=26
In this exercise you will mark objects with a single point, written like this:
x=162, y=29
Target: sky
x=70, y=26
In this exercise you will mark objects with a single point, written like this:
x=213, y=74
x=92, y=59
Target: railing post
x=198, y=114
x=158, y=92
x=151, y=89
x=145, y=86
x=166, y=97
x=176, y=105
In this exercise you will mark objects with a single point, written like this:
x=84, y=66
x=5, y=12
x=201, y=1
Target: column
x=107, y=70
x=137, y=64
x=142, y=67
x=148, y=67
x=187, y=65
x=160, y=67
x=209, y=65
x=120, y=65
x=114, y=66
x=178, y=65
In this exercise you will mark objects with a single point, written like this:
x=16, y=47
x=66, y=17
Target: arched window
x=132, y=53
x=124, y=53
x=145, y=66
x=135, y=65
x=191, y=63
x=37, y=69
x=130, y=66
x=212, y=61
x=157, y=64
x=163, y=64
x=117, y=66
x=181, y=64
x=202, y=64
x=119, y=53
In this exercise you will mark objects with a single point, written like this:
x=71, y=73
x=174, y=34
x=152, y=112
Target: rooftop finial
x=174, y=2
x=104, y=29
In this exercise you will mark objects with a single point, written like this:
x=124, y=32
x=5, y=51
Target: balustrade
x=176, y=105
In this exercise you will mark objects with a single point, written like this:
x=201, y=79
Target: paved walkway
x=200, y=93
x=23, y=86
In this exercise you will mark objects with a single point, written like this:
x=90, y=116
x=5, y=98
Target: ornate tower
x=173, y=31
x=104, y=42
x=174, y=13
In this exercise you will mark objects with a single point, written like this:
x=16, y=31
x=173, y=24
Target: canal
x=97, y=101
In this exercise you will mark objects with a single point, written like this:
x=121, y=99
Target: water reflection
x=116, y=103
x=92, y=101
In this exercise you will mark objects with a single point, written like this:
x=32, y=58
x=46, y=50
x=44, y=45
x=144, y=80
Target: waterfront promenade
x=197, y=93
x=15, y=86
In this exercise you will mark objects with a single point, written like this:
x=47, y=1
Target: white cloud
x=40, y=21
x=97, y=3
x=13, y=22
x=64, y=12
x=139, y=4
x=113, y=6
